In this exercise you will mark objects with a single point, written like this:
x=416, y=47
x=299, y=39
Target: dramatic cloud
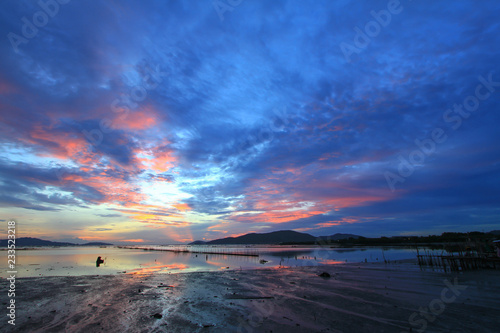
x=175, y=121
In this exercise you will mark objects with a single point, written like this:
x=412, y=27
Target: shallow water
x=74, y=261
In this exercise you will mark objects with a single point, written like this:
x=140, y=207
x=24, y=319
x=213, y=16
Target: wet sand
x=356, y=298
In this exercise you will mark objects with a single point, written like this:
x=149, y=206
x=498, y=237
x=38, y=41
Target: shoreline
x=371, y=297
x=70, y=262
x=411, y=262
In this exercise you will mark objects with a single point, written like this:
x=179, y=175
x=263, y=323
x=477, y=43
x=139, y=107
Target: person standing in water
x=98, y=262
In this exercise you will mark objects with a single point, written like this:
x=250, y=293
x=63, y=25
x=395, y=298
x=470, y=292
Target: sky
x=173, y=121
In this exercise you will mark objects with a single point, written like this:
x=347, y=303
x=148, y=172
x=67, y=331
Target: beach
x=355, y=298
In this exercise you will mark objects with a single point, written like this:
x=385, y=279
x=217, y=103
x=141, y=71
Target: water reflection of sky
x=70, y=261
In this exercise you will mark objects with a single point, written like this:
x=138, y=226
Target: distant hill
x=288, y=237
x=29, y=241
x=275, y=237
x=495, y=232
x=278, y=237
x=198, y=242
x=95, y=244
x=337, y=236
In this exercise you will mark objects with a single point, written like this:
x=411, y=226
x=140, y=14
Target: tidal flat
x=366, y=297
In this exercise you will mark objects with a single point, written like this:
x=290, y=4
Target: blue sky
x=170, y=121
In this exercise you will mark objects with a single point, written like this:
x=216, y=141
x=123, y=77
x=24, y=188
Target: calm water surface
x=71, y=261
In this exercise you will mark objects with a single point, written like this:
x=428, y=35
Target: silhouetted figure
x=98, y=262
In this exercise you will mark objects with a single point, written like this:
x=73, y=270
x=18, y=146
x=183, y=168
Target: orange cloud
x=180, y=235
x=182, y=207
x=277, y=216
x=274, y=202
x=163, y=161
x=326, y=224
x=61, y=145
x=113, y=189
x=152, y=216
x=159, y=158
x=240, y=234
x=220, y=227
x=135, y=120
